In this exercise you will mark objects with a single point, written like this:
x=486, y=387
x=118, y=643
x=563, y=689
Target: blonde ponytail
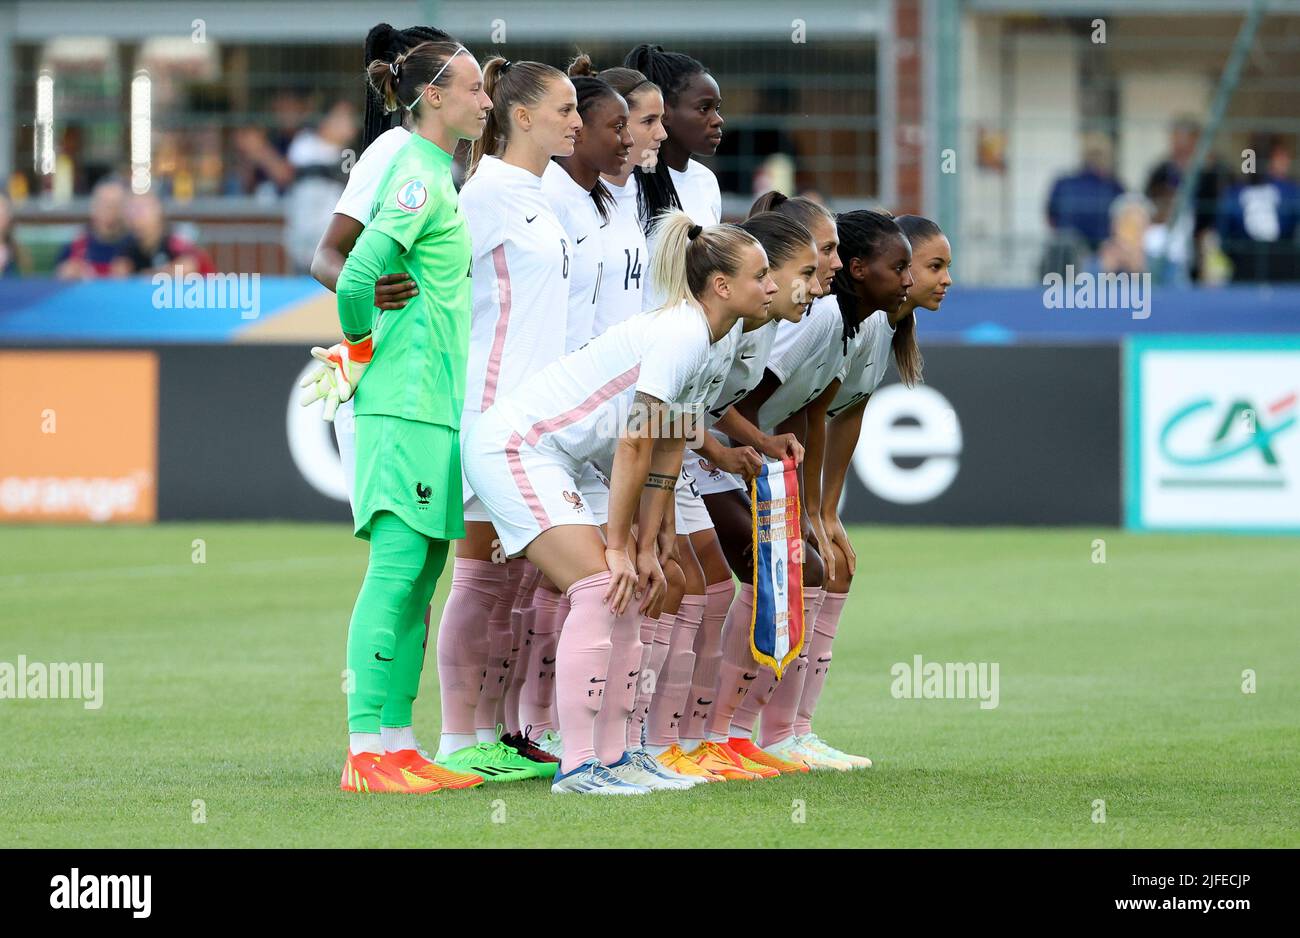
x=686, y=254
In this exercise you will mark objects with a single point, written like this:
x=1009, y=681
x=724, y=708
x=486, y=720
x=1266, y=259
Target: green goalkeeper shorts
x=412, y=469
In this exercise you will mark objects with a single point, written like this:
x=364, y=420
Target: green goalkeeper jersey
x=420, y=351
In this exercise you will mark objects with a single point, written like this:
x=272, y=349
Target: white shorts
x=524, y=491
x=474, y=510
x=709, y=479
x=345, y=434
x=692, y=516
x=594, y=486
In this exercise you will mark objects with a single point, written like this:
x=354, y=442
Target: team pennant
x=776, y=630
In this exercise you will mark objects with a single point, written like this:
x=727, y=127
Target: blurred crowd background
x=218, y=135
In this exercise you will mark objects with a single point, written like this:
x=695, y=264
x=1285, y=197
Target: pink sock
x=500, y=640
x=636, y=719
x=708, y=659
x=669, y=700
x=653, y=672
x=620, y=688
x=463, y=641
x=521, y=623
x=583, y=667
x=819, y=659
x=779, y=714
x=737, y=672
x=536, y=701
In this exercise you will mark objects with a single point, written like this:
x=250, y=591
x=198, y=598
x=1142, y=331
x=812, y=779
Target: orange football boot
x=718, y=760
x=368, y=772
x=417, y=764
x=746, y=749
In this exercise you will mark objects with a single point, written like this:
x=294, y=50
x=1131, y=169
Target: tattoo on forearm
x=658, y=480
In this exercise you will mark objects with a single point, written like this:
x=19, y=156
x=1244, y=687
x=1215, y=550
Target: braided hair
x=672, y=72
x=385, y=44
x=863, y=234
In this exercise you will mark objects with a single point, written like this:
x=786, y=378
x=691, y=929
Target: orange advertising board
x=78, y=436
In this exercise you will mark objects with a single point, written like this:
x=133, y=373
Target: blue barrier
x=135, y=311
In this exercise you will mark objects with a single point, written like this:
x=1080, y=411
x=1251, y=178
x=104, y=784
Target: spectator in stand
x=104, y=248
x=155, y=247
x=1080, y=203
x=317, y=158
x=13, y=260
x=270, y=173
x=1125, y=251
x=1162, y=186
x=1258, y=218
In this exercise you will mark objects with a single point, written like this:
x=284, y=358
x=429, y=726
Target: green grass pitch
x=1120, y=682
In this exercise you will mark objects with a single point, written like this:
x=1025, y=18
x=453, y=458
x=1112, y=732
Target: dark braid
x=672, y=72
x=863, y=234
x=385, y=43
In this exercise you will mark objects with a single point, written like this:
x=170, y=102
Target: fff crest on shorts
x=412, y=195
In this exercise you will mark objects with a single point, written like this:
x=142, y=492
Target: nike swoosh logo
x=379, y=657
x=745, y=358
x=677, y=716
x=546, y=660
x=585, y=237
x=702, y=702
x=505, y=663
x=598, y=680
x=823, y=660
x=531, y=220
x=750, y=677
x=633, y=673
x=531, y=632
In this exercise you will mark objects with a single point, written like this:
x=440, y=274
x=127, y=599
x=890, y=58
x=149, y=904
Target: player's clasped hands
x=783, y=446
x=740, y=460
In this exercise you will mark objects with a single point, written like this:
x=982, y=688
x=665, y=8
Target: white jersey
x=747, y=367
x=577, y=406
x=806, y=356
x=581, y=220
x=520, y=272
x=627, y=259
x=868, y=359
x=358, y=202
x=358, y=198
x=698, y=192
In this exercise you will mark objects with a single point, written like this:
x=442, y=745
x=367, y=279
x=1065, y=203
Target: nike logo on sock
x=823, y=660
x=633, y=673
x=546, y=660
x=677, y=716
x=379, y=657
x=702, y=702
x=598, y=680
x=749, y=677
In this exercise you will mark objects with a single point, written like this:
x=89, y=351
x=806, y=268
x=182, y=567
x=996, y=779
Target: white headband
x=434, y=79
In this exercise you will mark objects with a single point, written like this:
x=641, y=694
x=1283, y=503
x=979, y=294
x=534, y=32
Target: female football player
x=525, y=455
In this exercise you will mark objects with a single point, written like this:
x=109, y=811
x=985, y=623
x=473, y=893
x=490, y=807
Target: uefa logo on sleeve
x=412, y=196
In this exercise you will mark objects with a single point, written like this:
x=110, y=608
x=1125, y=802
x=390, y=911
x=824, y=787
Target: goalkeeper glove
x=347, y=362
x=320, y=386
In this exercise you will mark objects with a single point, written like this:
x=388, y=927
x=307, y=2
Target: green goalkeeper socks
x=386, y=636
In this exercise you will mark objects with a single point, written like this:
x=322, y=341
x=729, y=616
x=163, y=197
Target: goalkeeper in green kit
x=406, y=370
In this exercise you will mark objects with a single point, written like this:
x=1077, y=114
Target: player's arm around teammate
x=406, y=500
